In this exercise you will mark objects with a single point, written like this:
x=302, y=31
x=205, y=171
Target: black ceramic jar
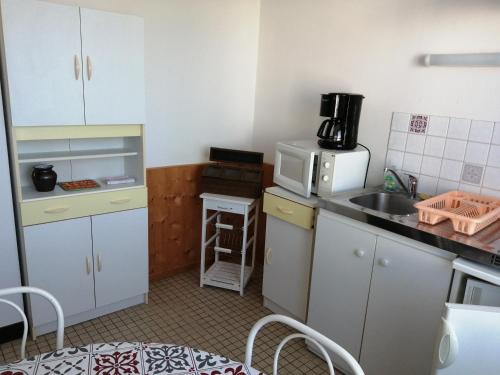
x=44, y=178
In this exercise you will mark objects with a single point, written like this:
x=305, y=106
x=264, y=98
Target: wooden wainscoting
x=175, y=218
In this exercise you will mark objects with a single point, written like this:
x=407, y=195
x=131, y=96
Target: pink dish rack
x=468, y=212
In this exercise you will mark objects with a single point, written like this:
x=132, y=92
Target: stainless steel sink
x=390, y=203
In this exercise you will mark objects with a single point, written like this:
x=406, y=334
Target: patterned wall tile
x=472, y=174
x=446, y=153
x=418, y=124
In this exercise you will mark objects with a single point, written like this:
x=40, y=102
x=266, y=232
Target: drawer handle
x=120, y=201
x=56, y=210
x=224, y=208
x=359, y=253
x=284, y=210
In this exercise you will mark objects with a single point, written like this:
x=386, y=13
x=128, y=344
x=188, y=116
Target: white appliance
x=304, y=168
x=468, y=342
x=469, y=338
x=481, y=293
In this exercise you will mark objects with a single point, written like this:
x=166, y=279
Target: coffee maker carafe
x=340, y=131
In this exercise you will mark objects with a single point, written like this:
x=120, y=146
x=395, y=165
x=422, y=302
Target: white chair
x=50, y=298
x=312, y=336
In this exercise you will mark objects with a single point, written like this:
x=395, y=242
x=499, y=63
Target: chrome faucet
x=411, y=189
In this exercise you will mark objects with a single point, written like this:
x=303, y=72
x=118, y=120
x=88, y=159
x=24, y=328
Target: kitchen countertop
x=483, y=247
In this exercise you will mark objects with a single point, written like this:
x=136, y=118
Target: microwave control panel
x=325, y=180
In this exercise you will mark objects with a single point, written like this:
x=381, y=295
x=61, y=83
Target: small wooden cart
x=228, y=238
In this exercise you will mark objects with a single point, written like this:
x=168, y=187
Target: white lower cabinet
x=408, y=291
x=87, y=264
x=120, y=255
x=340, y=282
x=287, y=266
x=59, y=260
x=378, y=294
x=288, y=254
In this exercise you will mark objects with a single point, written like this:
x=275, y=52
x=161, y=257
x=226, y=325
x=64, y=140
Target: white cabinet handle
x=120, y=201
x=384, y=262
x=284, y=210
x=359, y=253
x=87, y=261
x=78, y=67
x=269, y=255
x=89, y=68
x=99, y=263
x=55, y=210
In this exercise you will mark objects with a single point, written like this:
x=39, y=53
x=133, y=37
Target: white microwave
x=304, y=168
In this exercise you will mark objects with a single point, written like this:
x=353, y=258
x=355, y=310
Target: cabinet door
x=120, y=255
x=43, y=53
x=287, y=266
x=340, y=282
x=407, y=295
x=113, y=55
x=59, y=260
x=9, y=265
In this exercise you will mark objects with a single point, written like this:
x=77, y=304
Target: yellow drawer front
x=289, y=211
x=48, y=210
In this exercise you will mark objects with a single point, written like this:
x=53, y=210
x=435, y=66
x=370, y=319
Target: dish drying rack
x=228, y=240
x=468, y=212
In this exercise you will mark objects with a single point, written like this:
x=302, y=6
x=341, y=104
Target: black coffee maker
x=340, y=131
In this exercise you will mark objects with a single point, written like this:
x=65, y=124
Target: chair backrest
x=50, y=298
x=322, y=343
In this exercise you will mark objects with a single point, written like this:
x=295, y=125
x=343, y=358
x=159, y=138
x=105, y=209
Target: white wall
x=201, y=59
x=370, y=47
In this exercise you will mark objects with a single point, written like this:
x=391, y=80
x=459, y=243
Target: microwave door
x=294, y=169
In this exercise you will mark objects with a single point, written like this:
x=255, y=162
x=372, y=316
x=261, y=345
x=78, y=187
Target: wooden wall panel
x=175, y=218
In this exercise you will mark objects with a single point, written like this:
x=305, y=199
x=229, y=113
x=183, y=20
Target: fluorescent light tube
x=463, y=59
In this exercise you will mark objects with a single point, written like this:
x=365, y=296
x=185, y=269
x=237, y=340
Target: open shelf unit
x=30, y=193
x=79, y=153
x=43, y=157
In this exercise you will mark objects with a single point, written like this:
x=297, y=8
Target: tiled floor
x=180, y=312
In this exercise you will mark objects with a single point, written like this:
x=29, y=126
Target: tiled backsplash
x=446, y=153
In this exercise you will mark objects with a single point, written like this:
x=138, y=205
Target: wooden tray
x=79, y=185
x=468, y=212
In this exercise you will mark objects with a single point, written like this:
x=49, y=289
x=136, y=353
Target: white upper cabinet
x=113, y=57
x=72, y=66
x=43, y=56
